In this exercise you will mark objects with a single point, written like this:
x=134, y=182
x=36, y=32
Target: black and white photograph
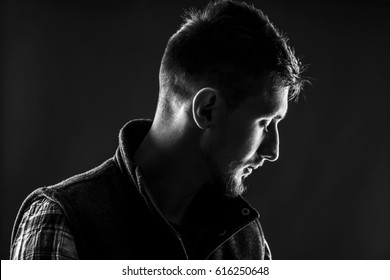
x=195, y=130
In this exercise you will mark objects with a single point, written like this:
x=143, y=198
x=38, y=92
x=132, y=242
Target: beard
x=228, y=179
x=232, y=182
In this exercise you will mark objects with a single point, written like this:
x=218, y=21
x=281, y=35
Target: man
x=173, y=189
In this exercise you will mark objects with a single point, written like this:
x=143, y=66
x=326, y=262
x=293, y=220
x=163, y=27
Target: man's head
x=227, y=45
x=234, y=73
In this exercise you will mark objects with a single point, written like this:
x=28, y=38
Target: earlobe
x=204, y=106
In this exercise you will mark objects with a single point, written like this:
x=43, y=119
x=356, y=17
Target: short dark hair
x=226, y=45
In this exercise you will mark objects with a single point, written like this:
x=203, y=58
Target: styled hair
x=227, y=45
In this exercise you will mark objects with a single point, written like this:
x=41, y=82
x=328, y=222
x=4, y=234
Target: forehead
x=267, y=99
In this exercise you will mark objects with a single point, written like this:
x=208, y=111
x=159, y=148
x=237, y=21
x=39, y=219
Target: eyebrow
x=275, y=116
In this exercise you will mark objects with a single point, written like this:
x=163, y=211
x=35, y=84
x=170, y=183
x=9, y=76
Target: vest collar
x=221, y=216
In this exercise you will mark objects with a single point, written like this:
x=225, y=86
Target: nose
x=269, y=147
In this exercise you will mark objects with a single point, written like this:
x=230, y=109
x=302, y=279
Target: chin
x=235, y=187
x=232, y=180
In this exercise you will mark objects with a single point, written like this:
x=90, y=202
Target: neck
x=172, y=168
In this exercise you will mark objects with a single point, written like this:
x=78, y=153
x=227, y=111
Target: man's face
x=248, y=137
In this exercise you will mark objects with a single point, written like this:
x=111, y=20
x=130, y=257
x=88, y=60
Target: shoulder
x=97, y=185
x=42, y=206
x=101, y=175
x=73, y=193
x=43, y=233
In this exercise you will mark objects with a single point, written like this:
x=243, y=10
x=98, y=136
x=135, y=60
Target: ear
x=206, y=106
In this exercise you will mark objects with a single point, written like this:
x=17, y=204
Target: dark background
x=74, y=72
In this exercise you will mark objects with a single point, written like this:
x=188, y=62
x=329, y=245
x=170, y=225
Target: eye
x=264, y=124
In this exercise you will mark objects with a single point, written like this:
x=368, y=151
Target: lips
x=248, y=170
x=257, y=165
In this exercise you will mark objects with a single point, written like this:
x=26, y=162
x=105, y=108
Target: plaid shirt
x=44, y=234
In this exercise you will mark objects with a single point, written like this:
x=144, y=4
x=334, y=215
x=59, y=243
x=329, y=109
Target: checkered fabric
x=44, y=234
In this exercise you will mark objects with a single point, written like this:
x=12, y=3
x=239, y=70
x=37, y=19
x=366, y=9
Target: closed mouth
x=248, y=170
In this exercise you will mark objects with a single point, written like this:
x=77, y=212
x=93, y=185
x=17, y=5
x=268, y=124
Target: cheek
x=246, y=142
x=253, y=142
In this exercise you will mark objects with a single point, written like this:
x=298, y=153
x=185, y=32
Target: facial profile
x=233, y=48
x=247, y=137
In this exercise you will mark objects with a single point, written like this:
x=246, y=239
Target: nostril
x=271, y=156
